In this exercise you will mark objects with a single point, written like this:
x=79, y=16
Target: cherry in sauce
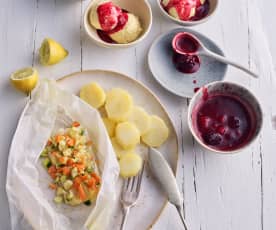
x=186, y=63
x=224, y=122
x=201, y=11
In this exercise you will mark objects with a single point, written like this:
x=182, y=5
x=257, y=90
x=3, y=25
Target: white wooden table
x=220, y=192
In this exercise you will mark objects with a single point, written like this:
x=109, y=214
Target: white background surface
x=220, y=192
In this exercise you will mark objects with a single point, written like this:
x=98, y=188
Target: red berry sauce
x=224, y=122
x=184, y=8
x=186, y=63
x=108, y=15
x=112, y=19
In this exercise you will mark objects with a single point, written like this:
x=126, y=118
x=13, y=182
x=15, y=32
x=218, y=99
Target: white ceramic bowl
x=230, y=89
x=139, y=8
x=213, y=8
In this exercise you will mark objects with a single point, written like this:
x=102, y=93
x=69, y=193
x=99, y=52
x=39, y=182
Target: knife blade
x=164, y=174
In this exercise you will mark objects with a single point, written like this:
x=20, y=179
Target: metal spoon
x=163, y=173
x=200, y=49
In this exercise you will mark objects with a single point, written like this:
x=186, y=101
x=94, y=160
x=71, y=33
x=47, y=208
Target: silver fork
x=130, y=193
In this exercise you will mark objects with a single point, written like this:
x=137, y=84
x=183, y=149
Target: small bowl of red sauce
x=224, y=117
x=188, y=12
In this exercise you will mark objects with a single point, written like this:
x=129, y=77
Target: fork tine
x=140, y=177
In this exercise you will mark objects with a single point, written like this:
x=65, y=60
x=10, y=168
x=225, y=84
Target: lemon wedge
x=51, y=52
x=25, y=79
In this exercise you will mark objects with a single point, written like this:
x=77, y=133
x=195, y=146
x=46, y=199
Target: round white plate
x=151, y=201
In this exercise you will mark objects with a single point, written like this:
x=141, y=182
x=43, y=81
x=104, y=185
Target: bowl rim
x=187, y=23
x=102, y=43
x=191, y=128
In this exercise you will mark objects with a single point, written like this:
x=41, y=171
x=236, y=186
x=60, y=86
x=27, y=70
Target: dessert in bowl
x=188, y=12
x=224, y=117
x=117, y=23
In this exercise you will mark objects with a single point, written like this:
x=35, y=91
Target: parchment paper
x=30, y=200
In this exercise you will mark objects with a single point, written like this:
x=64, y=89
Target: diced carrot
x=89, y=143
x=91, y=183
x=70, y=162
x=97, y=178
x=49, y=143
x=83, y=177
x=80, y=167
x=75, y=124
x=54, y=153
x=70, y=141
x=66, y=171
x=58, y=138
x=62, y=160
x=52, y=169
x=81, y=192
x=53, y=186
x=76, y=182
x=75, y=152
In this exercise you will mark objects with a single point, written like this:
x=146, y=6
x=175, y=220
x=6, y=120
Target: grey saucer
x=183, y=85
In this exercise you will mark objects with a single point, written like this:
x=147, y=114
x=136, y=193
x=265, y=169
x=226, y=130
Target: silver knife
x=163, y=173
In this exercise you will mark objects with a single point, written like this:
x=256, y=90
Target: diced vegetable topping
x=69, y=160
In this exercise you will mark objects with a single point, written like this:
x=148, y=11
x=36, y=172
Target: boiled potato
x=140, y=118
x=127, y=135
x=130, y=165
x=118, y=149
x=93, y=94
x=118, y=104
x=157, y=133
x=110, y=126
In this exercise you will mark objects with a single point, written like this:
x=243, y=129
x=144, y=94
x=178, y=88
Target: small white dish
x=238, y=91
x=212, y=10
x=139, y=8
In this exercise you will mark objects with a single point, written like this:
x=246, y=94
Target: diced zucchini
x=70, y=195
x=82, y=132
x=60, y=191
x=44, y=153
x=89, y=169
x=46, y=162
x=74, y=172
x=67, y=184
x=63, y=178
x=53, y=159
x=58, y=199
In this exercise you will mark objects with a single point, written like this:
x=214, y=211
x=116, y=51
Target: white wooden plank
x=16, y=45
x=60, y=20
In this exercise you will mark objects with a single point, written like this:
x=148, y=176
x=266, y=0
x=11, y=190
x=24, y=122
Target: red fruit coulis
x=186, y=63
x=185, y=43
x=183, y=8
x=184, y=58
x=108, y=14
x=224, y=122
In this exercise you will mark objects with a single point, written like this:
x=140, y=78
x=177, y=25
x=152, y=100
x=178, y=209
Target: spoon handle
x=227, y=61
x=180, y=212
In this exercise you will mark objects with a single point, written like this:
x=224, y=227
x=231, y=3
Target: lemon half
x=51, y=52
x=25, y=79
